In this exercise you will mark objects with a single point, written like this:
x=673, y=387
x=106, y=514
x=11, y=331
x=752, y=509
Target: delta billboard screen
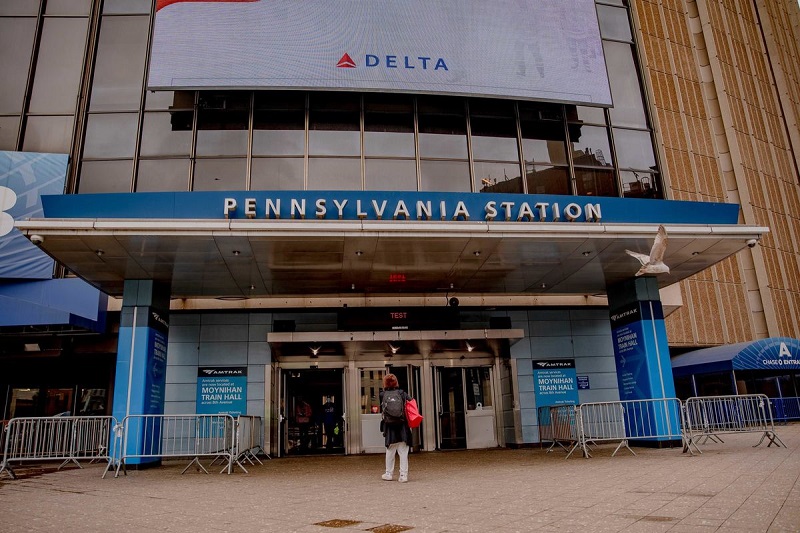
x=527, y=49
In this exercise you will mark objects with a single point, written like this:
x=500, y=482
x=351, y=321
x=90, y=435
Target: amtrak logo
x=395, y=61
x=8, y=199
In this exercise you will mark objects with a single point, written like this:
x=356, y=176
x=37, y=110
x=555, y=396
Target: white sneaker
x=386, y=477
x=402, y=479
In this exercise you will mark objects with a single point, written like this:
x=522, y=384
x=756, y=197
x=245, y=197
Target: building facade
x=299, y=239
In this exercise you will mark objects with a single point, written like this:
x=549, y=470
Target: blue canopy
x=775, y=353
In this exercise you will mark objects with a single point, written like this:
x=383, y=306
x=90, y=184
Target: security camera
x=453, y=302
x=752, y=243
x=37, y=239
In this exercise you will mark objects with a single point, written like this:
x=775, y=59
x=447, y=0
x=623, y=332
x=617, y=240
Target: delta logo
x=395, y=61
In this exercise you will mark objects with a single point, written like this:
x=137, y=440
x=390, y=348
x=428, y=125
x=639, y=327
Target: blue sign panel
x=24, y=178
x=583, y=383
x=222, y=390
x=643, y=368
x=554, y=382
x=386, y=205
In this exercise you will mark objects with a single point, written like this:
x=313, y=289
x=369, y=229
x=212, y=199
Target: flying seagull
x=653, y=263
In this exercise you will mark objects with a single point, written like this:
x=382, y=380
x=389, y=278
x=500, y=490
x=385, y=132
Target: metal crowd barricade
x=63, y=438
x=785, y=409
x=623, y=421
x=558, y=425
x=707, y=417
x=177, y=436
x=249, y=438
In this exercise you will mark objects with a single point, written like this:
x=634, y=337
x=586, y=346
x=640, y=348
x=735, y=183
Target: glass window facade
x=78, y=86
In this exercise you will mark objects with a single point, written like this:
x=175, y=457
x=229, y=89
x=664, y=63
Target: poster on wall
x=222, y=390
x=511, y=48
x=555, y=382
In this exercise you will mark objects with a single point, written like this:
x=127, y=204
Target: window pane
x=590, y=146
x=162, y=175
x=105, y=176
x=494, y=130
x=333, y=124
x=334, y=143
x=628, y=107
x=279, y=142
x=222, y=142
x=388, y=143
x=389, y=125
x=634, y=149
x=497, y=177
x=169, y=100
x=640, y=185
x=277, y=174
x=165, y=134
x=442, y=127
x=334, y=174
x=48, y=134
x=67, y=7
x=445, y=176
x=220, y=174
x=543, y=133
x=16, y=46
x=119, y=72
x=8, y=133
x=19, y=7
x=279, y=123
x=59, y=66
x=588, y=115
x=548, y=180
x=222, y=122
x=440, y=145
x=541, y=151
x=595, y=182
x=614, y=23
x=127, y=6
x=391, y=175
x=111, y=135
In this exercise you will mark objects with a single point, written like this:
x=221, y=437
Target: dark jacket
x=396, y=432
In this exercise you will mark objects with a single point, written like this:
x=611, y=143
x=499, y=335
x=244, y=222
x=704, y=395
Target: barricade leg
x=5, y=467
x=624, y=442
x=195, y=461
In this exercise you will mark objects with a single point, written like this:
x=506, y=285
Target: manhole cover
x=389, y=528
x=339, y=523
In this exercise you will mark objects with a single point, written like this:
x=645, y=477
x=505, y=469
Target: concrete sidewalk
x=731, y=487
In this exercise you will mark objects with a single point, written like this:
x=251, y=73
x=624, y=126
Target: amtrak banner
x=222, y=390
x=644, y=372
x=555, y=382
x=511, y=48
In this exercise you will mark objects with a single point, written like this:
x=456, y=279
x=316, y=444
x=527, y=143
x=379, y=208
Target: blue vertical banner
x=555, y=382
x=222, y=390
x=141, y=378
x=644, y=371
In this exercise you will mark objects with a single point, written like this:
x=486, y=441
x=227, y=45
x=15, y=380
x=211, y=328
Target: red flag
x=164, y=3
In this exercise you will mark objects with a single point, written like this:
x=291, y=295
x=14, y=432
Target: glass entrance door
x=313, y=406
x=451, y=423
x=466, y=417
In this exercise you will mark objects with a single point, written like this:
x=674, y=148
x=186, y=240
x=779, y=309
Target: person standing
x=396, y=433
x=329, y=422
